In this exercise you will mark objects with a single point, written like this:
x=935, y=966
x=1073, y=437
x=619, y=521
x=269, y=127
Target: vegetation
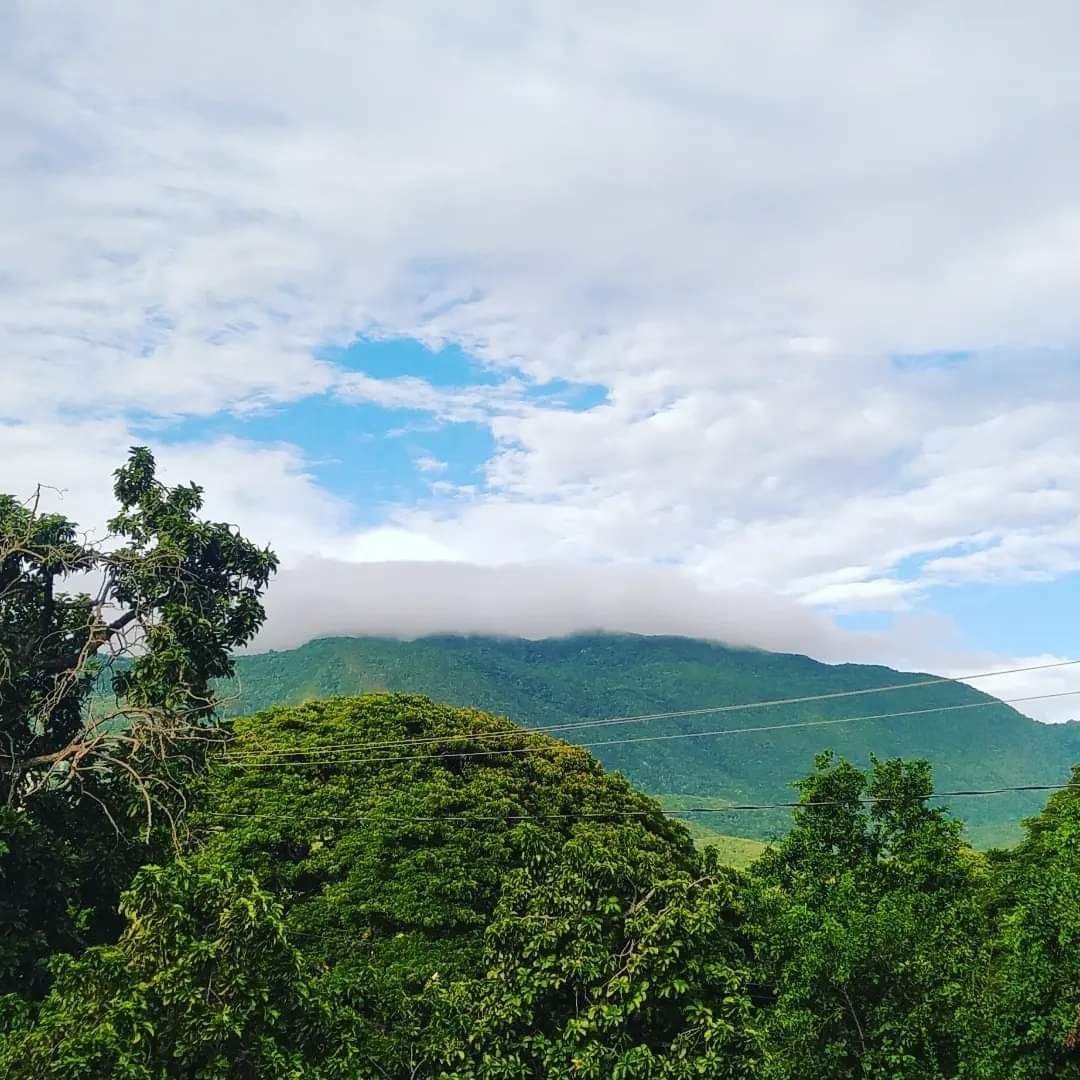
x=393, y=869
x=532, y=915
x=173, y=595
x=559, y=681
x=601, y=963
x=86, y=779
x=871, y=927
x=730, y=850
x=202, y=982
x=351, y=892
x=1035, y=999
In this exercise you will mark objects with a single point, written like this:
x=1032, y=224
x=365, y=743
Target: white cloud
x=583, y=176
x=768, y=484
x=542, y=599
x=728, y=218
x=457, y=405
x=431, y=465
x=1043, y=683
x=387, y=544
x=266, y=490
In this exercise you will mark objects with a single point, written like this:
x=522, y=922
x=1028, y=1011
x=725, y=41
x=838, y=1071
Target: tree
x=599, y=963
x=391, y=862
x=172, y=595
x=203, y=984
x=1031, y=1027
x=106, y=699
x=870, y=928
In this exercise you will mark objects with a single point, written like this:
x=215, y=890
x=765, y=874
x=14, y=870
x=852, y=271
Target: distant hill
x=597, y=676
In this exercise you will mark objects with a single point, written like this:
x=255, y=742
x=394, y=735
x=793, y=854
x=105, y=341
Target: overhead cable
x=608, y=814
x=245, y=763
x=670, y=715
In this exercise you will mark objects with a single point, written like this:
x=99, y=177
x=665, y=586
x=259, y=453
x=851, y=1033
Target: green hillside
x=556, y=681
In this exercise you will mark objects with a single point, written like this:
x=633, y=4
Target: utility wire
x=674, y=714
x=235, y=763
x=604, y=814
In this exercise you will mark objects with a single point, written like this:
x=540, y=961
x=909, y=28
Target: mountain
x=600, y=676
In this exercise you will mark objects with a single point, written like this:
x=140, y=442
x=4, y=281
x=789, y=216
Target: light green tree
x=1031, y=1026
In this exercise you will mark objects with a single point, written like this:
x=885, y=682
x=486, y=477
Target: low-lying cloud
x=324, y=597
x=321, y=597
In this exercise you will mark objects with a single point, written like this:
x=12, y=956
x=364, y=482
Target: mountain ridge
x=585, y=677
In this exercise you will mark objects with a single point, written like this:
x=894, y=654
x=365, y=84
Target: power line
x=674, y=714
x=605, y=814
x=457, y=756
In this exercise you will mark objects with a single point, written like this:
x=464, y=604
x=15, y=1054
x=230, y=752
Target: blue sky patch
x=360, y=452
x=911, y=567
x=376, y=457
x=560, y=394
x=451, y=367
x=391, y=358
x=1015, y=618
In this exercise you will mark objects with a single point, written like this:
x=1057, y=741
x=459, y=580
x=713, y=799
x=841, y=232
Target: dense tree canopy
x=352, y=906
x=562, y=681
x=1034, y=1013
x=202, y=982
x=870, y=927
x=600, y=962
x=393, y=861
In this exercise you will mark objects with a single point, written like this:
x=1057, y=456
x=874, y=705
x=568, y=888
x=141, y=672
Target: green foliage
x=870, y=928
x=416, y=912
x=392, y=864
x=203, y=983
x=346, y=907
x=85, y=776
x=598, y=966
x=42, y=635
x=564, y=680
x=730, y=850
x=1032, y=1027
x=61, y=873
x=202, y=580
x=735, y=851
x=330, y=835
x=174, y=595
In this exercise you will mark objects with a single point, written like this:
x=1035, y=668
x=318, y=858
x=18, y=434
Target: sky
x=752, y=322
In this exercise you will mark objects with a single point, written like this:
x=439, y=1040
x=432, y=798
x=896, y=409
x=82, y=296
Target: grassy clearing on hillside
x=737, y=851
x=987, y=837
x=732, y=850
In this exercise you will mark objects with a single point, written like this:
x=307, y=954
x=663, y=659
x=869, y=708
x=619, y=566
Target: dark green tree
x=172, y=596
x=1031, y=1026
x=871, y=928
x=203, y=984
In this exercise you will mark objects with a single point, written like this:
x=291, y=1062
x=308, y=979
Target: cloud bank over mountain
x=325, y=598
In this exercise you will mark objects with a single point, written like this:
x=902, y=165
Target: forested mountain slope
x=556, y=681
